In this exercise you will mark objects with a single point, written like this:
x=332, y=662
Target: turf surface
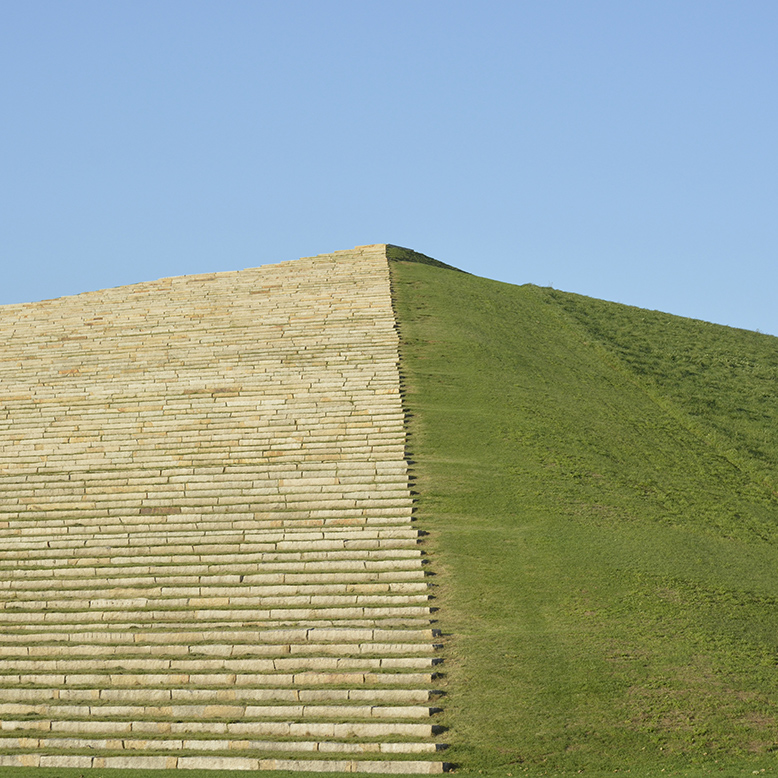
x=599, y=484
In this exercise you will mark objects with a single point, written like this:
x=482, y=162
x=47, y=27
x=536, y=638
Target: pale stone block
x=64, y=761
x=19, y=760
x=409, y=748
x=218, y=763
x=402, y=768
x=140, y=762
x=400, y=711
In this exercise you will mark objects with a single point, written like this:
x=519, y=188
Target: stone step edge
x=335, y=635
x=410, y=561
x=205, y=543
x=217, y=710
x=255, y=607
x=120, y=554
x=229, y=623
x=93, y=745
x=317, y=676
x=295, y=562
x=283, y=641
x=130, y=588
x=168, y=690
x=225, y=763
x=81, y=536
x=220, y=618
x=280, y=729
x=262, y=749
x=82, y=651
x=154, y=523
x=242, y=643
x=236, y=508
x=164, y=519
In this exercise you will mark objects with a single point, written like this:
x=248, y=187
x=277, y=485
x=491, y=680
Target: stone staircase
x=206, y=551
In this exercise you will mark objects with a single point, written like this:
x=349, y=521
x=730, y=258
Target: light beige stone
x=205, y=526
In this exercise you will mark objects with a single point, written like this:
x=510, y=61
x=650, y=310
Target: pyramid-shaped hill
x=600, y=487
x=206, y=551
x=207, y=557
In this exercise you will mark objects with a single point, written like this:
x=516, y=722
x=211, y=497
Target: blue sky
x=625, y=149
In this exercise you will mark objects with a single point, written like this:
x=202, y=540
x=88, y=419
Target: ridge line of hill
x=644, y=383
x=694, y=424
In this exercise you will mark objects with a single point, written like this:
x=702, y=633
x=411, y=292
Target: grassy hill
x=600, y=484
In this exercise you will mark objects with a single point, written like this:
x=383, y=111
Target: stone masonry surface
x=206, y=551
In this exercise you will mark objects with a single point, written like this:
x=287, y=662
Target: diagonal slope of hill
x=599, y=483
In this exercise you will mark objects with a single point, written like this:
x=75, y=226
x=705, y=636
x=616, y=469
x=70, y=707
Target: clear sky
x=622, y=149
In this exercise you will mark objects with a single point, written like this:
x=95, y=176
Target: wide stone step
x=349, y=580
x=117, y=610
x=236, y=598
x=375, y=728
x=214, y=681
x=134, y=762
x=34, y=741
x=271, y=619
x=235, y=539
x=131, y=588
x=143, y=495
x=307, y=635
x=23, y=494
x=156, y=664
x=160, y=522
x=214, y=709
x=343, y=567
x=72, y=649
x=335, y=551
x=204, y=546
x=25, y=640
x=358, y=468
x=248, y=508
x=181, y=694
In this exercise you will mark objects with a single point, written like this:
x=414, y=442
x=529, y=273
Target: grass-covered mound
x=600, y=487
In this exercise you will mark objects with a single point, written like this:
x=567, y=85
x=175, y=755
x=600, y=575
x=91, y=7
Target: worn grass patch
x=600, y=487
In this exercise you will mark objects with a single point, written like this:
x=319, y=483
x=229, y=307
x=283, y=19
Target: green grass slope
x=599, y=484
